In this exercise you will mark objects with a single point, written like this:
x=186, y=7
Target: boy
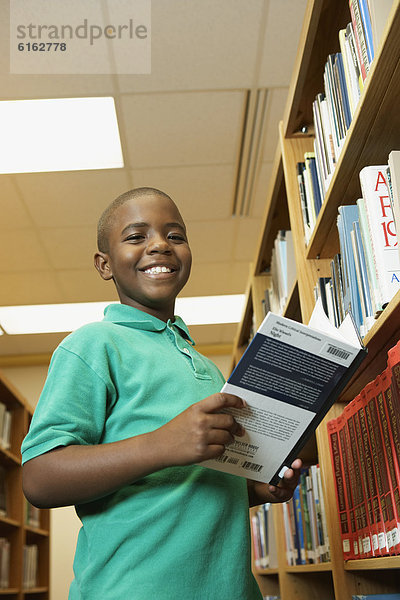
x=127, y=410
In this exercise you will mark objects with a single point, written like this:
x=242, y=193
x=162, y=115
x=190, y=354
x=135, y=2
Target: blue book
x=352, y=302
x=367, y=26
x=376, y=597
x=343, y=89
x=298, y=518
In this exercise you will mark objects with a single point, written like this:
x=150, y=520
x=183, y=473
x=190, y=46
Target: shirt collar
x=133, y=317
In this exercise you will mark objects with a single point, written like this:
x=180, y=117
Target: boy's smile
x=149, y=257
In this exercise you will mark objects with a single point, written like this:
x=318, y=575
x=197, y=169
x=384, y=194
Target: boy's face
x=149, y=257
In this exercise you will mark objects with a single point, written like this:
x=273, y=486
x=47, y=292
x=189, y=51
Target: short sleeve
x=71, y=409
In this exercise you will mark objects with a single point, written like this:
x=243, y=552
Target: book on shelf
x=5, y=427
x=379, y=12
x=381, y=230
x=304, y=518
x=383, y=596
x=3, y=492
x=364, y=444
x=32, y=515
x=4, y=562
x=393, y=176
x=30, y=566
x=263, y=538
x=289, y=376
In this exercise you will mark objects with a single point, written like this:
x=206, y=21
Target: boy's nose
x=158, y=246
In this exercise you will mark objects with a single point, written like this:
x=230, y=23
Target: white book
x=289, y=376
x=381, y=230
x=394, y=165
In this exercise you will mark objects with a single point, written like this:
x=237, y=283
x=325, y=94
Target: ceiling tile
x=211, y=241
x=85, y=285
x=12, y=207
x=201, y=45
x=21, y=250
x=199, y=128
x=72, y=198
x=30, y=287
x=209, y=279
x=276, y=105
x=199, y=191
x=246, y=238
x=69, y=247
x=30, y=344
x=284, y=23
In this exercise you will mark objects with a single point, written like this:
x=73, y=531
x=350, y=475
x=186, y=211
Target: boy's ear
x=101, y=262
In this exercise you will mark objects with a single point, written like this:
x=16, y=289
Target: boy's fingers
x=217, y=402
x=224, y=421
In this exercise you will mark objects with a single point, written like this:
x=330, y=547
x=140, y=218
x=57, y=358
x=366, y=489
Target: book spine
x=344, y=519
x=368, y=399
x=367, y=27
x=379, y=514
x=373, y=389
x=359, y=38
x=390, y=455
x=365, y=530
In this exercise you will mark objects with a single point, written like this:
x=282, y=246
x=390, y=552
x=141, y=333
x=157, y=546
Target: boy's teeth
x=155, y=270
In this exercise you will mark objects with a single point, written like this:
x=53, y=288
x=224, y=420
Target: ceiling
x=181, y=129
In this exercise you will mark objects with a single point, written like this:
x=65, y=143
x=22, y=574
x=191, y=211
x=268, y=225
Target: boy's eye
x=177, y=237
x=135, y=237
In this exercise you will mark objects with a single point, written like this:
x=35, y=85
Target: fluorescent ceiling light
x=57, y=318
x=62, y=134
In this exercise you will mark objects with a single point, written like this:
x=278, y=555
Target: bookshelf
x=374, y=132
x=14, y=526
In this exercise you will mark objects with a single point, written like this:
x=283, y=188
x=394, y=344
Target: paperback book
x=289, y=376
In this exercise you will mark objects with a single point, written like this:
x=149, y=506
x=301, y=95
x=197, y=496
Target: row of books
x=344, y=76
x=30, y=566
x=5, y=426
x=395, y=596
x=32, y=515
x=366, y=274
x=263, y=538
x=304, y=517
x=4, y=562
x=365, y=451
x=283, y=273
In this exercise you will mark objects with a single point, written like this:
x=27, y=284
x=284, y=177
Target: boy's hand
x=259, y=493
x=200, y=432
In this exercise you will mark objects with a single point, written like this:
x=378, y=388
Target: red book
x=379, y=513
x=359, y=485
x=348, y=488
x=344, y=518
x=373, y=509
x=383, y=401
x=378, y=456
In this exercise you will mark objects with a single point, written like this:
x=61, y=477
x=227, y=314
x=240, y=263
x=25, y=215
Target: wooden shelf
x=317, y=568
x=12, y=526
x=374, y=132
x=366, y=564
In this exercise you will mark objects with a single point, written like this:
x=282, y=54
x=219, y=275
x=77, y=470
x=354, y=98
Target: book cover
x=289, y=377
x=346, y=217
x=381, y=230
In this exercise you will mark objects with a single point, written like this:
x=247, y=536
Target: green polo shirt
x=181, y=532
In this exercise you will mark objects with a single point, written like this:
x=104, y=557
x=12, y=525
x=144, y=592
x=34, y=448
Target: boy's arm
x=77, y=474
x=260, y=493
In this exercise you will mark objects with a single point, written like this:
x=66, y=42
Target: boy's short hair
x=106, y=220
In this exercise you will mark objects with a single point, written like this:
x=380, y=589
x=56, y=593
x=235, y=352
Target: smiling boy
x=128, y=409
